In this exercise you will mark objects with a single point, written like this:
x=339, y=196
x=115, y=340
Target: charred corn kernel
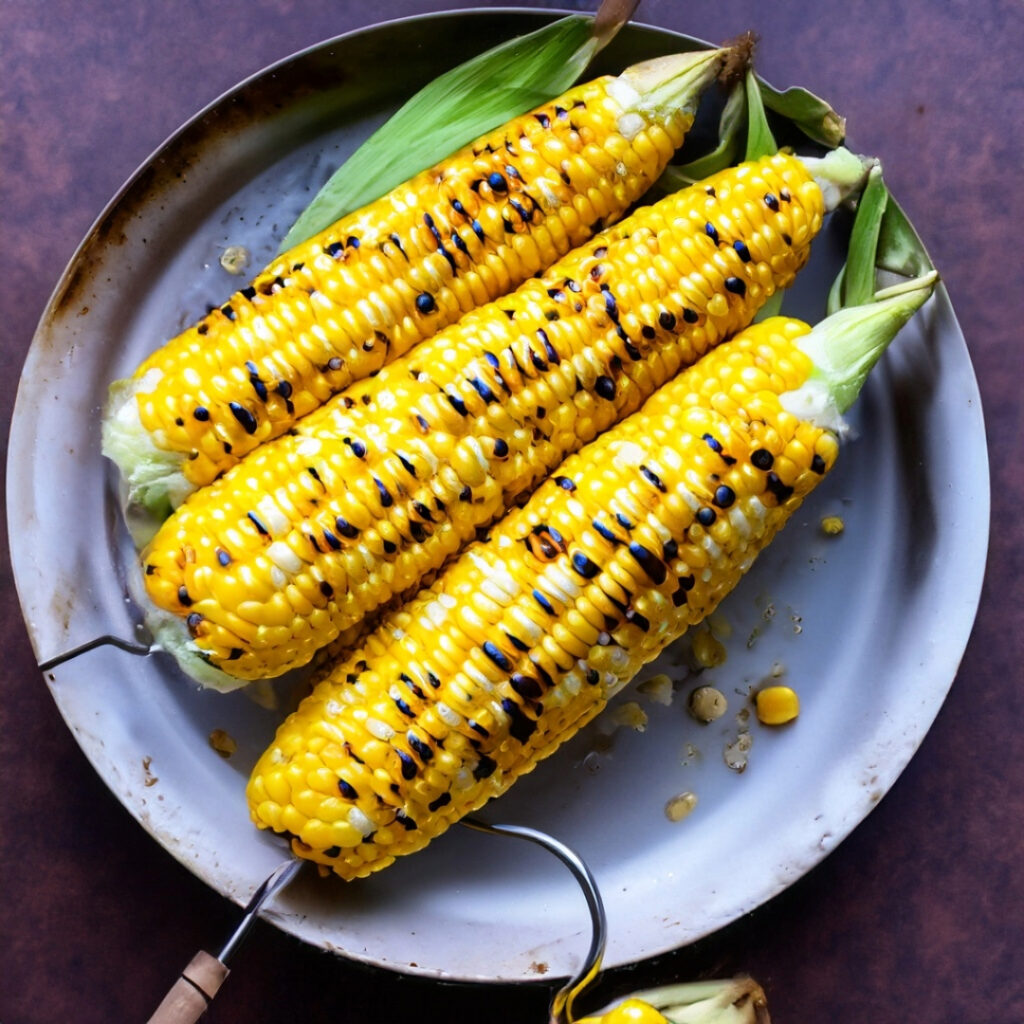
x=470, y=702
x=777, y=705
x=707, y=704
x=630, y=1011
x=375, y=490
x=832, y=526
x=336, y=308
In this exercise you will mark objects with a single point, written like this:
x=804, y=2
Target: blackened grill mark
x=332, y=542
x=398, y=244
x=648, y=331
x=521, y=210
x=478, y=230
x=771, y=202
x=228, y=312
x=781, y=491
x=336, y=250
x=244, y=417
x=223, y=557
x=724, y=496
x=653, y=479
x=565, y=483
x=537, y=361
x=422, y=511
x=545, y=121
x=385, y=495
x=409, y=768
x=736, y=285
x=543, y=602
x=390, y=547
x=669, y=550
x=584, y=566
x=405, y=821
x=483, y=390
x=406, y=464
x=553, y=356
x=667, y=320
x=358, y=448
x=706, y=516
x=650, y=563
x=605, y=532
x=260, y=528
x=526, y=686
x=203, y=329
x=817, y=464
x=456, y=403
x=347, y=790
x=478, y=728
x=691, y=316
x=638, y=620
x=459, y=243
x=418, y=533
x=443, y=800
x=497, y=182
x=425, y=303
x=422, y=750
x=521, y=727
x=404, y=708
x=741, y=250
x=623, y=521
x=201, y=413
x=484, y=769
x=762, y=459
x=500, y=448
x=711, y=231
x=194, y=621
x=345, y=528
x=422, y=423
x=497, y=656
x=183, y=597
x=519, y=645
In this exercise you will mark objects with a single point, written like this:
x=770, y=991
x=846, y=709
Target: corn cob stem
x=410, y=464
x=364, y=291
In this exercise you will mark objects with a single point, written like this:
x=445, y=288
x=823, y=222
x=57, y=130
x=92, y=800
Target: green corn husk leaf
x=882, y=238
x=811, y=114
x=459, y=106
x=760, y=141
x=730, y=1001
x=730, y=127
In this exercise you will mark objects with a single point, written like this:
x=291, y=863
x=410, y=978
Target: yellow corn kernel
x=832, y=526
x=777, y=705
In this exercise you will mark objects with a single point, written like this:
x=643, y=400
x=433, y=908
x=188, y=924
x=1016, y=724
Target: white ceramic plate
x=869, y=627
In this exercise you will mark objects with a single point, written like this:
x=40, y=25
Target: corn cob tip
x=839, y=174
x=662, y=85
x=739, y=59
x=845, y=346
x=739, y=1000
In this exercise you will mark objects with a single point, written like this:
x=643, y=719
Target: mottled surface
x=915, y=916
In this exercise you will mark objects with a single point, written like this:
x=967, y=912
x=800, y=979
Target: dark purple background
x=917, y=916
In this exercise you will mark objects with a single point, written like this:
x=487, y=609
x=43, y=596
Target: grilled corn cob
x=729, y=1001
x=378, y=488
x=338, y=307
x=525, y=637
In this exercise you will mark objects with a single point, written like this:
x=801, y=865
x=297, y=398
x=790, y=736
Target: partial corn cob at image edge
x=526, y=636
x=255, y=573
x=339, y=306
x=738, y=1000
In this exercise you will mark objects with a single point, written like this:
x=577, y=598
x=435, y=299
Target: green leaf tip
x=459, y=106
x=846, y=345
x=811, y=114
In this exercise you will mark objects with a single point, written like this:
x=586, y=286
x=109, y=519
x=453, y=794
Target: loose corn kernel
x=777, y=705
x=832, y=526
x=223, y=743
x=707, y=704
